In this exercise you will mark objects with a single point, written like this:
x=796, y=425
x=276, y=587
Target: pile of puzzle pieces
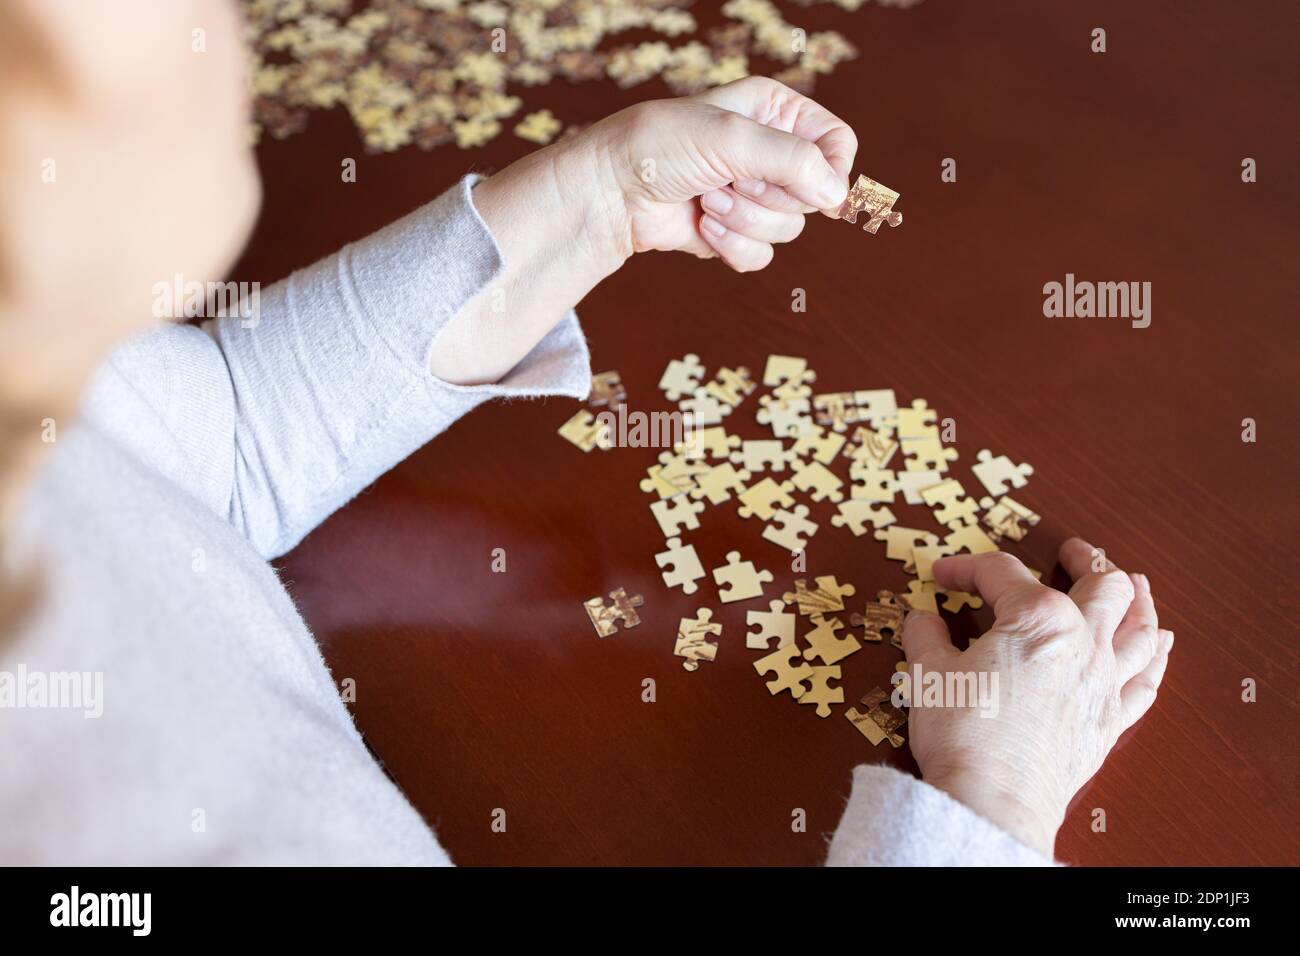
x=858, y=455
x=429, y=72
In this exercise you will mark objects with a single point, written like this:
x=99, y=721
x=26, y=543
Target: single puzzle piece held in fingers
x=743, y=581
x=827, y=597
x=774, y=622
x=873, y=198
x=694, y=639
x=603, y=617
x=685, y=564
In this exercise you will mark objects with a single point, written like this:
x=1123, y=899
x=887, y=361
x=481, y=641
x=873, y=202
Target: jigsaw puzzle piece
x=873, y=484
x=674, y=514
x=764, y=497
x=790, y=530
x=742, y=580
x=883, y=619
x=695, y=640
x=774, y=622
x=820, y=446
x=586, y=432
x=950, y=505
x=1007, y=518
x=827, y=597
x=719, y=482
x=607, y=389
x=871, y=447
x=764, y=454
x=714, y=442
x=704, y=409
x=825, y=645
x=820, y=693
x=900, y=541
x=788, y=669
x=912, y=483
x=857, y=513
x=787, y=417
x=684, y=563
x=730, y=386
x=996, y=473
x=928, y=454
x=878, y=407
x=818, y=482
x=879, y=718
x=603, y=617
x=682, y=377
x=787, y=369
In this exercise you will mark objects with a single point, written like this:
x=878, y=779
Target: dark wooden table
x=481, y=691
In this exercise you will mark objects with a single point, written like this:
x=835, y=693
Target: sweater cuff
x=894, y=819
x=421, y=270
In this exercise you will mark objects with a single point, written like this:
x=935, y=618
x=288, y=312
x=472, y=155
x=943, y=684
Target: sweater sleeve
x=894, y=819
x=277, y=420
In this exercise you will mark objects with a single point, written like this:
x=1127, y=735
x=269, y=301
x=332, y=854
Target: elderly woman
x=136, y=536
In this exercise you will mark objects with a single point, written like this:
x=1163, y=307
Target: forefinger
x=995, y=576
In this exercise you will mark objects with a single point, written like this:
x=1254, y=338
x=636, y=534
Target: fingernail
x=711, y=224
x=1169, y=639
x=718, y=201
x=833, y=191
x=750, y=187
x=1143, y=583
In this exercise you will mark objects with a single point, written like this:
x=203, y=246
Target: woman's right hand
x=1074, y=672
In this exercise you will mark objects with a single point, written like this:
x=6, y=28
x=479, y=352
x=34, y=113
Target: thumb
x=747, y=149
x=924, y=635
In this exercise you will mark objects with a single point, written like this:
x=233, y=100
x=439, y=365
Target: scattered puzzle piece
x=951, y=506
x=704, y=409
x=714, y=442
x=790, y=530
x=824, y=645
x=828, y=596
x=857, y=513
x=997, y=473
x=820, y=445
x=878, y=407
x=788, y=668
x=730, y=386
x=873, y=484
x=607, y=389
x=603, y=616
x=883, y=619
x=928, y=454
x=878, y=719
x=764, y=454
x=912, y=483
x=774, y=622
x=787, y=369
x=743, y=581
x=787, y=417
x=674, y=514
x=764, y=497
x=539, y=127
x=682, y=377
x=584, y=431
x=684, y=563
x=694, y=639
x=820, y=692
x=1007, y=518
x=872, y=448
x=719, y=482
x=900, y=541
x=818, y=482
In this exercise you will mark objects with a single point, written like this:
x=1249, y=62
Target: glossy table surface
x=482, y=691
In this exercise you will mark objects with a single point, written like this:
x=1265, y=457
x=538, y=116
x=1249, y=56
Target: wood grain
x=481, y=691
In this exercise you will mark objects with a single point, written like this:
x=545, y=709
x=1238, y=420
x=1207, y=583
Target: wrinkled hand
x=1074, y=672
x=727, y=173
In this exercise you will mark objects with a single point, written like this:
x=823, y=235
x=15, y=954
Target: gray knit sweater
x=205, y=727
